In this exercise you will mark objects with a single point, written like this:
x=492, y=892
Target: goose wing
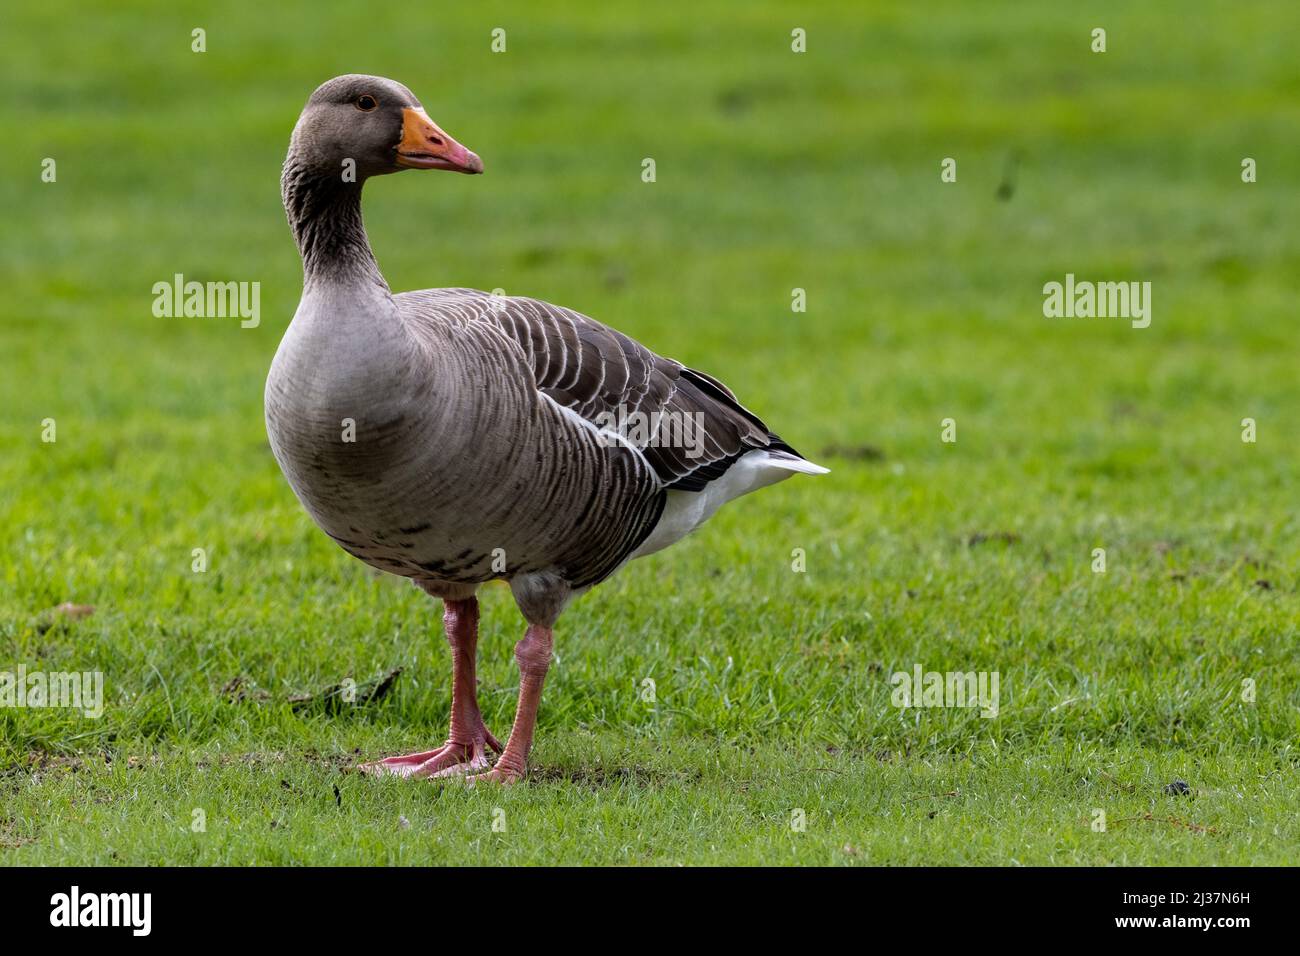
x=689, y=427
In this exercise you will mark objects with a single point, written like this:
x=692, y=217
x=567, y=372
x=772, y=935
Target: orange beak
x=425, y=146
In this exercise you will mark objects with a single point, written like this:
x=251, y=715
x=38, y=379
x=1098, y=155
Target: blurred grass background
x=775, y=171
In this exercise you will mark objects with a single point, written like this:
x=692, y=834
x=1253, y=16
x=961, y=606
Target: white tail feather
x=790, y=463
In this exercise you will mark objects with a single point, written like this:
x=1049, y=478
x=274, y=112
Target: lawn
x=729, y=700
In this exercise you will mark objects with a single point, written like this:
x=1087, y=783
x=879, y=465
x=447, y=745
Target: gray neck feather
x=325, y=215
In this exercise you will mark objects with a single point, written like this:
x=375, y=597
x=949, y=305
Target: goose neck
x=324, y=213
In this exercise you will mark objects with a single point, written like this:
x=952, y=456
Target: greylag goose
x=455, y=437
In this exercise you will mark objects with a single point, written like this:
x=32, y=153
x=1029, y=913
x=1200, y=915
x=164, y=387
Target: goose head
x=379, y=125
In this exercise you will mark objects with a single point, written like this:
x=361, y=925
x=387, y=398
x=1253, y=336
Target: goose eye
x=366, y=102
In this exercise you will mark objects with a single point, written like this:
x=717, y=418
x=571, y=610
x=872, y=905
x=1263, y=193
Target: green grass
x=775, y=171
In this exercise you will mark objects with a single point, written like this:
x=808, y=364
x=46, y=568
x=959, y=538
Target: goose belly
x=500, y=488
x=387, y=493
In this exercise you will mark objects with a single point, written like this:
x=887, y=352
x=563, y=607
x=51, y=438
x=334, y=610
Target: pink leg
x=534, y=656
x=466, y=746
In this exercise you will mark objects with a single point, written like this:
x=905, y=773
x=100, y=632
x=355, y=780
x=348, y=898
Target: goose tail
x=782, y=459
